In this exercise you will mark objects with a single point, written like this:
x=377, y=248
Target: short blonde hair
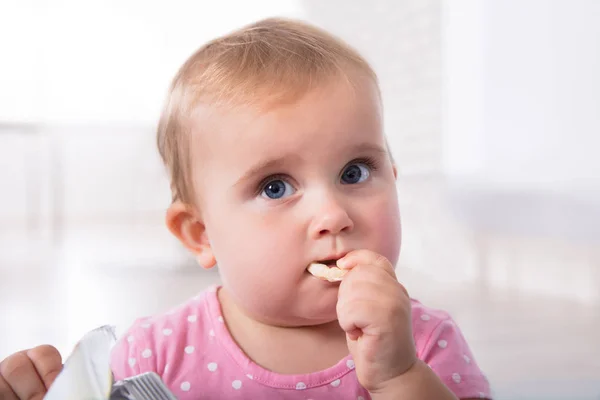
x=270, y=62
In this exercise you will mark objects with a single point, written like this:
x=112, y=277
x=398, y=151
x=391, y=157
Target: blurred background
x=492, y=109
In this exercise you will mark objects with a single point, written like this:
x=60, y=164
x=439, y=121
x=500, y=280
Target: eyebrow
x=262, y=166
x=369, y=148
x=279, y=162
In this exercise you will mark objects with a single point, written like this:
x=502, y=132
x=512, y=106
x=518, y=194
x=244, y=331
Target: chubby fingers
x=27, y=375
x=366, y=257
x=6, y=392
x=47, y=362
x=20, y=379
x=370, y=297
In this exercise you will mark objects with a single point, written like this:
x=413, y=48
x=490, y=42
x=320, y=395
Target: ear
x=185, y=225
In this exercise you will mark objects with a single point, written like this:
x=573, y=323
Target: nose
x=330, y=219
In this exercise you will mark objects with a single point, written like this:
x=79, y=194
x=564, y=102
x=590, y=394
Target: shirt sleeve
x=447, y=353
x=131, y=355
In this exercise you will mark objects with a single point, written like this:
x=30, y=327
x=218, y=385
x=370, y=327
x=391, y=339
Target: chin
x=316, y=320
x=323, y=311
x=312, y=313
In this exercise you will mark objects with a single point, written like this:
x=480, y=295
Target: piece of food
x=325, y=272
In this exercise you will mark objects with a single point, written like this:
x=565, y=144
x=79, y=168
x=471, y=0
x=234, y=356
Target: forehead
x=323, y=121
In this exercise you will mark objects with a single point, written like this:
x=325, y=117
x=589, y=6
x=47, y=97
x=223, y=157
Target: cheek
x=252, y=241
x=255, y=256
x=385, y=228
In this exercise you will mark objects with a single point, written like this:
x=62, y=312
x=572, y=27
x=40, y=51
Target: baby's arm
x=419, y=382
x=446, y=367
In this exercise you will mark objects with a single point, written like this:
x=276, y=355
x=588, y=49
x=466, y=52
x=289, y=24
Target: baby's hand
x=375, y=311
x=27, y=375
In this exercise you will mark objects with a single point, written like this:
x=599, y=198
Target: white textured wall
x=70, y=61
x=18, y=162
x=520, y=133
x=522, y=93
x=402, y=41
x=90, y=77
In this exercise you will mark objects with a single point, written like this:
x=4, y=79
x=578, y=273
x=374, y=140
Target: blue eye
x=355, y=173
x=277, y=189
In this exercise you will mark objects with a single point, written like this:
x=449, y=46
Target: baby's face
x=281, y=189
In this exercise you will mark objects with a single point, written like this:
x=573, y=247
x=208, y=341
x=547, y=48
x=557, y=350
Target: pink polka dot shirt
x=194, y=353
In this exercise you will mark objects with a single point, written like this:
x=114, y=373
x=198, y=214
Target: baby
x=281, y=175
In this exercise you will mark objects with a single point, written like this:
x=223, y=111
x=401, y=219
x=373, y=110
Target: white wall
x=105, y=62
x=20, y=167
x=522, y=92
x=90, y=79
x=521, y=129
x=401, y=39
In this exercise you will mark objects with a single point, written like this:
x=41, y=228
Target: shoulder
x=442, y=345
x=421, y=312
x=427, y=323
x=150, y=341
x=434, y=329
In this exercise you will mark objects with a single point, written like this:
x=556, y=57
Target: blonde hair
x=272, y=61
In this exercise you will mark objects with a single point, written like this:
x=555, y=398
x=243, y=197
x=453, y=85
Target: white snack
x=322, y=271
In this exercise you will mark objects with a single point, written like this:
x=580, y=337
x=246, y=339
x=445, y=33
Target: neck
x=284, y=349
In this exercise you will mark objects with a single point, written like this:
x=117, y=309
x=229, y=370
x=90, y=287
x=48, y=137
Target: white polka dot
x=212, y=367
x=185, y=386
x=481, y=395
x=336, y=383
x=130, y=338
x=456, y=377
x=300, y=386
x=350, y=364
x=190, y=349
x=360, y=398
x=467, y=359
x=167, y=331
x=220, y=318
x=145, y=325
x=192, y=318
x=425, y=317
x=442, y=343
x=147, y=353
x=236, y=384
x=166, y=368
x=131, y=362
x=250, y=376
x=211, y=333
